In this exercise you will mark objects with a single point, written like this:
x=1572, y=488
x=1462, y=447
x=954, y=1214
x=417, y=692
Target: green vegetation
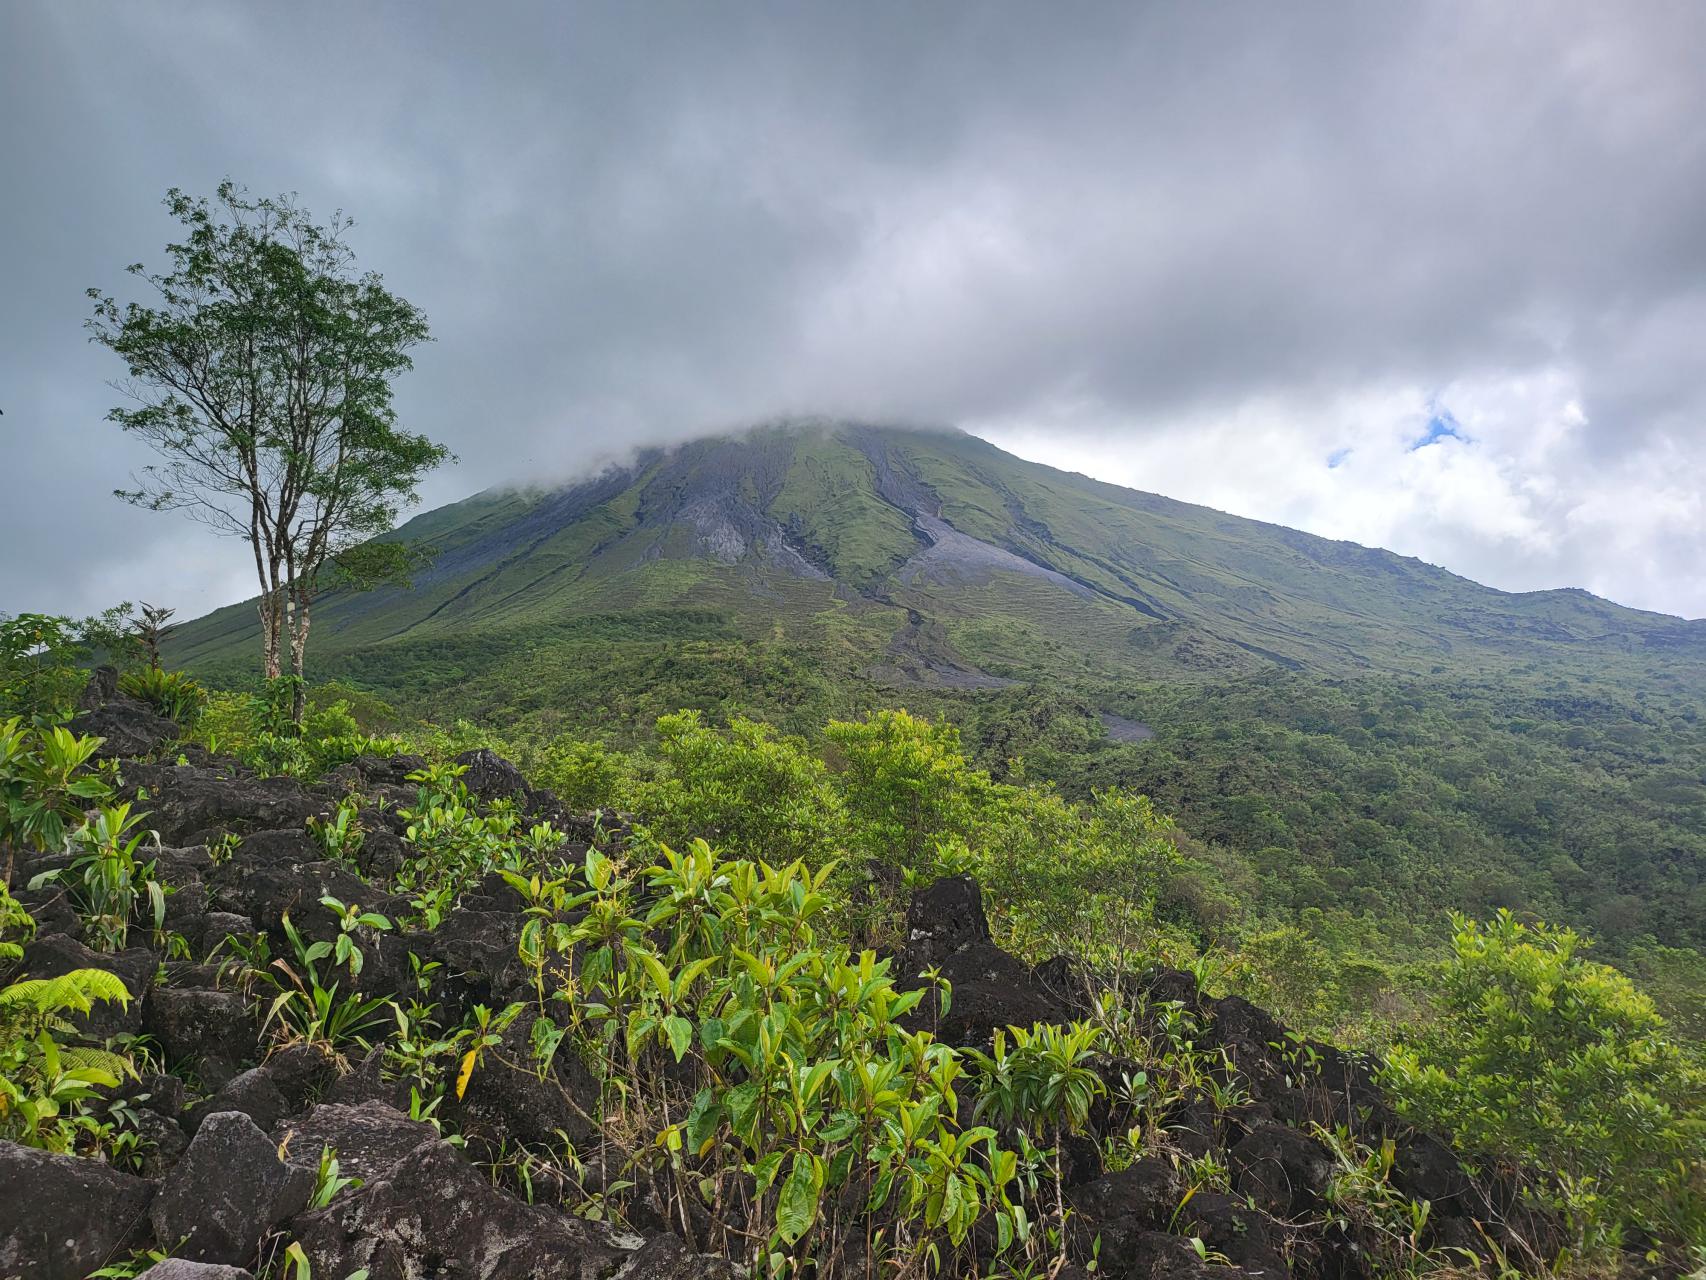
x=799, y=1110
x=1353, y=744
x=1353, y=816
x=43, y=1080
x=1542, y=1057
x=45, y=786
x=306, y=1007
x=455, y=844
x=757, y=1061
x=822, y=535
x=172, y=693
x=110, y=885
x=40, y=657
x=1571, y=798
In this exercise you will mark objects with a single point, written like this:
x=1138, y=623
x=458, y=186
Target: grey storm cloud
x=1197, y=248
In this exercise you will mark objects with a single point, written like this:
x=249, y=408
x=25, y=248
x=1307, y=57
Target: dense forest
x=1360, y=811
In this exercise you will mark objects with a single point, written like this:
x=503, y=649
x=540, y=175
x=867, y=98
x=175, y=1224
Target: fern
x=44, y=1085
x=17, y=926
x=74, y=992
x=36, y=1007
x=98, y=1061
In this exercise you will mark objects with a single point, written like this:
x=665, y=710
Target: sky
x=1427, y=277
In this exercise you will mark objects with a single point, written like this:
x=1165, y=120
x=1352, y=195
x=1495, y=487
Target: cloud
x=1513, y=483
x=1233, y=255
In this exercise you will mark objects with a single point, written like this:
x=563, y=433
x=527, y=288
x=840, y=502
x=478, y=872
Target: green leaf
x=840, y=1127
x=654, y=970
x=702, y=1121
x=796, y=1209
x=839, y=1167
x=764, y=1172
x=742, y=1101
x=880, y=1191
x=680, y=1032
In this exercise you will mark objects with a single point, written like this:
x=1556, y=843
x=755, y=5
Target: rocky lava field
x=233, y=1135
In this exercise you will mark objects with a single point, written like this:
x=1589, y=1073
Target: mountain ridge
x=956, y=560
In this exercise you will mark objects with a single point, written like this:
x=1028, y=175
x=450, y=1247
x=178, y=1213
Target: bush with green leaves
x=761, y=1074
x=172, y=693
x=452, y=844
x=258, y=729
x=755, y=794
x=355, y=928
x=111, y=886
x=1081, y=877
x=45, y=1081
x=17, y=927
x=43, y=657
x=45, y=787
x=306, y=1007
x=342, y=834
x=582, y=775
x=1540, y=1056
x=424, y=1053
x=895, y=801
x=906, y=785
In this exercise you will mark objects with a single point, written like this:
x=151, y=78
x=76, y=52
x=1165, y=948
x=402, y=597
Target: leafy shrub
x=1078, y=877
x=172, y=693
x=753, y=793
x=332, y=736
x=354, y=927
x=307, y=1008
x=1043, y=1081
x=906, y=786
x=341, y=835
x=1287, y=972
x=109, y=883
x=42, y=1081
x=45, y=786
x=257, y=728
x=763, y=1072
x=41, y=657
x=1540, y=1056
x=583, y=775
x=452, y=844
x=17, y=927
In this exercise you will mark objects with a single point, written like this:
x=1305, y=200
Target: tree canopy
x=262, y=375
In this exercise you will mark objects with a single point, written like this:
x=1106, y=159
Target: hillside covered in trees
x=1361, y=742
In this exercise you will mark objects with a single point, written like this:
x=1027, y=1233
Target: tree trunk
x=266, y=570
x=298, y=652
x=269, y=635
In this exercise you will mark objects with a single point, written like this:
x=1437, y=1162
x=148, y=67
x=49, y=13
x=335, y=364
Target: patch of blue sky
x=1441, y=426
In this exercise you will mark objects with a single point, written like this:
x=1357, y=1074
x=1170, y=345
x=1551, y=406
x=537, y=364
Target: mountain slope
x=936, y=558
x=1356, y=733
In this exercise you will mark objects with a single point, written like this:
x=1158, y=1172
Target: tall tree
x=262, y=376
